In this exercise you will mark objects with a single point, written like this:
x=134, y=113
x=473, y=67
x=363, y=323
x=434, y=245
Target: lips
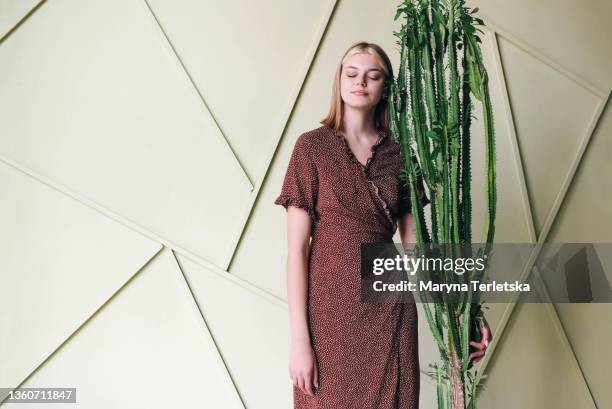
x=362, y=93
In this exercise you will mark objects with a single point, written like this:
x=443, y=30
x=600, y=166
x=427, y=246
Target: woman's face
x=361, y=81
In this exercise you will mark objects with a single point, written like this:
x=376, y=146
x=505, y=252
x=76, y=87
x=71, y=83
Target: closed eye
x=354, y=75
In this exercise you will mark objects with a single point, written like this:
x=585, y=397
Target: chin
x=360, y=104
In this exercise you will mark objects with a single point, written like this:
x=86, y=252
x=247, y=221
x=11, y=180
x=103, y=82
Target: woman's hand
x=481, y=347
x=303, y=367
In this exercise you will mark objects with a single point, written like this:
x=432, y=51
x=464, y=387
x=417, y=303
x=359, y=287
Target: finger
x=479, y=358
x=309, y=383
x=301, y=383
x=486, y=333
x=477, y=354
x=316, y=377
x=478, y=345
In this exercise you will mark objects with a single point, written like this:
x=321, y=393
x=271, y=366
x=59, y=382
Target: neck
x=358, y=122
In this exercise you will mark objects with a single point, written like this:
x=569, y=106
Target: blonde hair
x=334, y=118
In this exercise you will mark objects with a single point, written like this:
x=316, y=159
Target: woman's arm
x=298, y=241
x=302, y=363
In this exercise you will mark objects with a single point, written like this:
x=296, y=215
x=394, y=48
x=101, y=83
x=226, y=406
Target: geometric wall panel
x=574, y=36
x=147, y=348
x=552, y=115
x=572, y=44
x=427, y=394
x=59, y=262
x=97, y=103
x=250, y=329
x=248, y=63
x=533, y=367
x=586, y=214
x=590, y=339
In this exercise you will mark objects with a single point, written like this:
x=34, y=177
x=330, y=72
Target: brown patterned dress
x=367, y=353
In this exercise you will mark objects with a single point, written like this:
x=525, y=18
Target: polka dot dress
x=367, y=353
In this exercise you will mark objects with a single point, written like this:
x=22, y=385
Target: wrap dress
x=367, y=354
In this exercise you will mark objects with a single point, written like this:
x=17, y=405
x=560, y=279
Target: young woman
x=342, y=189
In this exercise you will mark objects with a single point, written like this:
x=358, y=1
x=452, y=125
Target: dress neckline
x=364, y=170
x=382, y=136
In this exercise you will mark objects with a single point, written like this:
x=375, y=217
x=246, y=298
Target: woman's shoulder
x=315, y=135
x=315, y=140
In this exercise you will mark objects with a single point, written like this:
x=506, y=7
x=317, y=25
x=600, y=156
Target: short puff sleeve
x=300, y=186
x=405, y=204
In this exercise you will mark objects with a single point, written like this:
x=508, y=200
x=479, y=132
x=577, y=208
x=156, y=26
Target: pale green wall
x=143, y=144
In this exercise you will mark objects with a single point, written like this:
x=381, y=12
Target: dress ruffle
x=364, y=169
x=286, y=201
x=350, y=153
x=385, y=207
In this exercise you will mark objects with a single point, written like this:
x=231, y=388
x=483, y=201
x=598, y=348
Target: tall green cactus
x=432, y=124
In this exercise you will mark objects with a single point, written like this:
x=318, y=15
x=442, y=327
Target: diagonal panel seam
x=322, y=30
x=556, y=321
x=215, y=345
x=235, y=280
x=21, y=21
x=569, y=178
x=538, y=55
x=82, y=325
x=201, y=98
x=511, y=124
x=107, y=212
